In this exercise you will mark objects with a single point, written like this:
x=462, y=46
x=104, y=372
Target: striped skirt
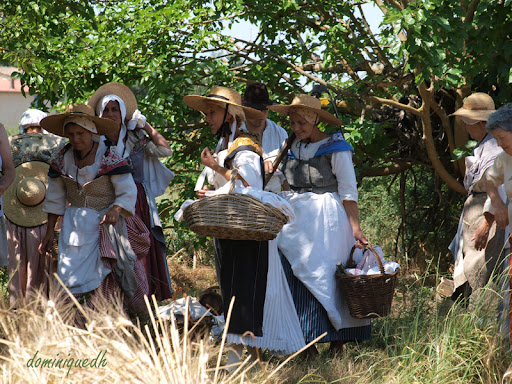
x=313, y=317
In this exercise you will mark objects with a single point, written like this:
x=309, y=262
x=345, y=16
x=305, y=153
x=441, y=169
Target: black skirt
x=242, y=267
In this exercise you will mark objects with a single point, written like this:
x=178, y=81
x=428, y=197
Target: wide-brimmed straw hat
x=477, y=106
x=23, y=200
x=310, y=103
x=121, y=91
x=221, y=96
x=55, y=123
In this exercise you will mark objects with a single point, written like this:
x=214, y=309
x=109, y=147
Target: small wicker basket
x=234, y=216
x=368, y=296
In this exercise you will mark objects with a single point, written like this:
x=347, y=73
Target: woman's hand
x=112, y=215
x=202, y=192
x=361, y=240
x=481, y=235
x=207, y=159
x=269, y=166
x=46, y=245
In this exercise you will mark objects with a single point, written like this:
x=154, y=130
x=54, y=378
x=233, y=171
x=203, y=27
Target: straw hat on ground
x=221, y=96
x=121, y=91
x=309, y=103
x=476, y=107
x=100, y=126
x=23, y=200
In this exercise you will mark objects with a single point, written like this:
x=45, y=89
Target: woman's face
x=302, y=128
x=504, y=139
x=79, y=138
x=215, y=116
x=113, y=112
x=33, y=128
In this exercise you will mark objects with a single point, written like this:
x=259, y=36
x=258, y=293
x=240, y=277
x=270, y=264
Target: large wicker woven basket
x=234, y=216
x=368, y=296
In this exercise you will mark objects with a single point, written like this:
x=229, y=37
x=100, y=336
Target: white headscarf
x=31, y=116
x=137, y=120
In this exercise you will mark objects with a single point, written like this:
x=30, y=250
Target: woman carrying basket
x=244, y=267
x=321, y=176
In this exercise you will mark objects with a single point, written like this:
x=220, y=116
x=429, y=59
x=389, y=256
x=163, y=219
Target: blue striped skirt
x=313, y=317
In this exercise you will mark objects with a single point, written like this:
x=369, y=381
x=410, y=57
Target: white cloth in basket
x=368, y=265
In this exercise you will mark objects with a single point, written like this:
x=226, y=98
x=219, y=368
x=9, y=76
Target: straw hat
x=23, y=200
x=477, y=106
x=307, y=102
x=221, y=96
x=54, y=123
x=121, y=91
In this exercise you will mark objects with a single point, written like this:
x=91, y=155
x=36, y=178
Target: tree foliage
x=394, y=85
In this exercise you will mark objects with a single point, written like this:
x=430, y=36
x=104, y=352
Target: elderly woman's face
x=113, y=112
x=33, y=128
x=215, y=116
x=504, y=139
x=79, y=138
x=302, y=128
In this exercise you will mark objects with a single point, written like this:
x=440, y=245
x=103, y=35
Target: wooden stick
x=282, y=153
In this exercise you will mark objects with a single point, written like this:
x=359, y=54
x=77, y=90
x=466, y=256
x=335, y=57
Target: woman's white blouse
x=124, y=186
x=341, y=163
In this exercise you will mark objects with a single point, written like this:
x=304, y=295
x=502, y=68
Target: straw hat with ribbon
x=476, y=107
x=82, y=115
x=221, y=96
x=23, y=200
x=307, y=104
x=119, y=90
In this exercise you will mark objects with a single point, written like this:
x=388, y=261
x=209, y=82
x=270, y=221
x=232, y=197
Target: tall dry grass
x=126, y=351
x=423, y=341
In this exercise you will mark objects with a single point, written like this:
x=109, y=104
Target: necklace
x=79, y=155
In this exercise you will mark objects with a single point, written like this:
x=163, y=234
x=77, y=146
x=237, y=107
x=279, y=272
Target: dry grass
x=126, y=352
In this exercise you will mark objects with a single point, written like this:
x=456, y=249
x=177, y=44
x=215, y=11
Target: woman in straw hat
x=91, y=186
x=478, y=244
x=320, y=173
x=26, y=223
x=8, y=174
x=248, y=270
x=499, y=174
x=139, y=142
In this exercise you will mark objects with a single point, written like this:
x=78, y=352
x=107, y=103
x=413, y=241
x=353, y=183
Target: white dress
x=321, y=235
x=282, y=333
x=79, y=265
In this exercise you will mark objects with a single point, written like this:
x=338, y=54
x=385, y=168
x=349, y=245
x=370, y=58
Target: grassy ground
x=424, y=340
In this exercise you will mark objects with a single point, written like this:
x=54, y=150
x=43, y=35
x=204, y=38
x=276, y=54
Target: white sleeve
x=343, y=169
x=126, y=193
x=55, y=199
x=249, y=167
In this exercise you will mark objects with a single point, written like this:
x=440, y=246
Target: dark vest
x=313, y=175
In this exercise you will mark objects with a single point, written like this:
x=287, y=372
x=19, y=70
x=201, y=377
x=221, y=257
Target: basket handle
x=232, y=181
x=351, y=264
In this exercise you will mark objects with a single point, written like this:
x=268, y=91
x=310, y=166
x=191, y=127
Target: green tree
x=395, y=85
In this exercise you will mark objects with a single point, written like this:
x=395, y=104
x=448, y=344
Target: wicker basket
x=234, y=216
x=368, y=296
